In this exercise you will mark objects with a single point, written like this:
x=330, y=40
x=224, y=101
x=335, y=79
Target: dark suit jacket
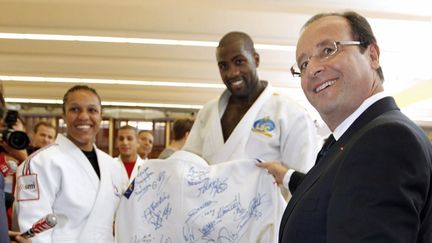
x=374, y=185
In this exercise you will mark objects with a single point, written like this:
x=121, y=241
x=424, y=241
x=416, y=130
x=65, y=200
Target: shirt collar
x=341, y=129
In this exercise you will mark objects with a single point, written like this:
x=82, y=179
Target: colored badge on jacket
x=27, y=188
x=264, y=126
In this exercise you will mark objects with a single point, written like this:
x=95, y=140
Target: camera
x=15, y=139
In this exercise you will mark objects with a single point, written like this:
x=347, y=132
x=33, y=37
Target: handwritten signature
x=147, y=180
x=202, y=222
x=201, y=179
x=158, y=211
x=148, y=238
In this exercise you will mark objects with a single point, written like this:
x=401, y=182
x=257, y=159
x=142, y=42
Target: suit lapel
x=375, y=110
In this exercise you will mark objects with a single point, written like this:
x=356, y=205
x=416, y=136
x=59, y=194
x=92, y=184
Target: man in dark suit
x=373, y=184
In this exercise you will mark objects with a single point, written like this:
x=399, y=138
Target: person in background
x=181, y=129
x=5, y=234
x=44, y=134
x=127, y=142
x=372, y=180
x=72, y=178
x=145, y=141
x=250, y=120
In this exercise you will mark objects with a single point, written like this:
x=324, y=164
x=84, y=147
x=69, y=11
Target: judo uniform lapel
x=98, y=227
x=215, y=147
x=80, y=160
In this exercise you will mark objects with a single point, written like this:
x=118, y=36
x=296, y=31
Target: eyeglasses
x=324, y=51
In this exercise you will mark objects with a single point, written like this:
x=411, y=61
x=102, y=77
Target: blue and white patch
x=264, y=126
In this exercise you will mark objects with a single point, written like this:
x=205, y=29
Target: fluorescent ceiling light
x=107, y=103
x=110, y=81
x=147, y=41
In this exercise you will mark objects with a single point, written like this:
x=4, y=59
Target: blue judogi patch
x=264, y=126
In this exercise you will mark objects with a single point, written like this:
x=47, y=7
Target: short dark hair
x=143, y=131
x=360, y=30
x=45, y=124
x=181, y=127
x=129, y=127
x=237, y=35
x=78, y=88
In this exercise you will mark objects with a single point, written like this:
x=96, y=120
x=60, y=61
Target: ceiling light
x=107, y=103
x=146, y=41
x=110, y=81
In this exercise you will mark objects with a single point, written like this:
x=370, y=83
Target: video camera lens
x=15, y=139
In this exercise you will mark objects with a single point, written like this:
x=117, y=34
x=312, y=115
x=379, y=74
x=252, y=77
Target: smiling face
x=127, y=144
x=145, y=141
x=337, y=86
x=237, y=63
x=82, y=114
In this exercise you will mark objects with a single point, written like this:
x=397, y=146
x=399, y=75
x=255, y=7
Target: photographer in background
x=20, y=156
x=44, y=134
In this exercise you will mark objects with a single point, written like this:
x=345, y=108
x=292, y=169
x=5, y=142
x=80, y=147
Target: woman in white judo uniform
x=72, y=178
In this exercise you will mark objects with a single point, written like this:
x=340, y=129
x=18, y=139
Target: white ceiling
x=403, y=29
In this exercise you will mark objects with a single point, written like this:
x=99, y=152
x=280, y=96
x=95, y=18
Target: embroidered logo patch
x=264, y=126
x=27, y=188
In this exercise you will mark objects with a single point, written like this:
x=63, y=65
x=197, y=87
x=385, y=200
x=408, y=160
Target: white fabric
x=138, y=163
x=183, y=199
x=293, y=139
x=341, y=129
x=70, y=188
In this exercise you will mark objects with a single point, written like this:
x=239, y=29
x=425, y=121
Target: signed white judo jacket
x=183, y=199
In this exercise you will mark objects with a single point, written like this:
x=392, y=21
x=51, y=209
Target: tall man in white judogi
x=250, y=120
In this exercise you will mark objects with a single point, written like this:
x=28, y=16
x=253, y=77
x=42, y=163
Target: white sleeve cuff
x=287, y=178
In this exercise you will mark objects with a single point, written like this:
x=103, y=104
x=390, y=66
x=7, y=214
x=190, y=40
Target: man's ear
x=257, y=59
x=374, y=53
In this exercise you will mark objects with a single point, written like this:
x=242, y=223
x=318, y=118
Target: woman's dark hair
x=78, y=88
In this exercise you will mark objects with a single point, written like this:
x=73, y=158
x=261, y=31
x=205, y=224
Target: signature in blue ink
x=226, y=223
x=165, y=239
x=160, y=182
x=213, y=186
x=158, y=211
x=147, y=238
x=252, y=211
x=234, y=206
x=195, y=211
x=143, y=175
x=195, y=177
x=149, y=181
x=225, y=235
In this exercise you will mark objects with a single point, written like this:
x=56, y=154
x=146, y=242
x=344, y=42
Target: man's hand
x=274, y=168
x=16, y=238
